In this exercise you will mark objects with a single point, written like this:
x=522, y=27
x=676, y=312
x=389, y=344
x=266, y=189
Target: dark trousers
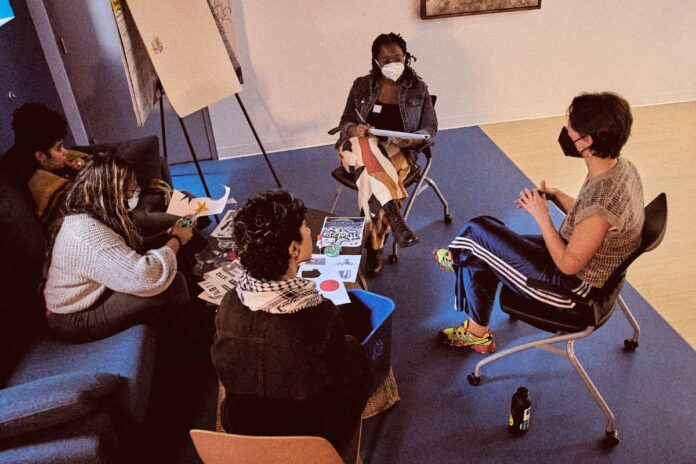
x=115, y=312
x=486, y=253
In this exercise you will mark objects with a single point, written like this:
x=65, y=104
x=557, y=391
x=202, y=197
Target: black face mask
x=568, y=145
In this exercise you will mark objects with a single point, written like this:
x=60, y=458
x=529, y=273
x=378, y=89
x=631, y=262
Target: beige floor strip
x=663, y=147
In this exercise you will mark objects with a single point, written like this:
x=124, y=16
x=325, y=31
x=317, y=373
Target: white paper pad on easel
x=328, y=282
x=398, y=135
x=187, y=52
x=183, y=205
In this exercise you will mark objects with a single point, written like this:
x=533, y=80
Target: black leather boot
x=375, y=262
x=402, y=234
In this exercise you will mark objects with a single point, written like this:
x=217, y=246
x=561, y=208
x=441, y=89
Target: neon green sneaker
x=460, y=336
x=443, y=258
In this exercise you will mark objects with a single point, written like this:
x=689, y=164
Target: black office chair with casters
x=589, y=314
x=418, y=175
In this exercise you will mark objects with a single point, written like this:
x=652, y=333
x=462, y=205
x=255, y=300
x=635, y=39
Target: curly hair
x=264, y=228
x=606, y=117
x=99, y=190
x=37, y=127
x=396, y=39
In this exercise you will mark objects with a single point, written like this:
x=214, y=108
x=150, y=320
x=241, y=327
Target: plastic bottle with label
x=520, y=411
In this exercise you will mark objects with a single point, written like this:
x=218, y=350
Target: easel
x=202, y=49
x=190, y=145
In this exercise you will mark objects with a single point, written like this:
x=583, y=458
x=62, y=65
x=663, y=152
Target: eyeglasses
x=391, y=59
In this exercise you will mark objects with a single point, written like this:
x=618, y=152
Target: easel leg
x=164, y=133
x=195, y=161
x=263, y=150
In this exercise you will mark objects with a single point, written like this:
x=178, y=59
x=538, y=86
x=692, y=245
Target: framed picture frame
x=431, y=9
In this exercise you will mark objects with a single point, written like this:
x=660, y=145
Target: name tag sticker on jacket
x=377, y=109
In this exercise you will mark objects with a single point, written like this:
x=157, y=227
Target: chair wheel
x=393, y=259
x=448, y=218
x=473, y=379
x=611, y=439
x=630, y=345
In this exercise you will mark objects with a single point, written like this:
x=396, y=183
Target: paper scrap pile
x=219, y=281
x=225, y=227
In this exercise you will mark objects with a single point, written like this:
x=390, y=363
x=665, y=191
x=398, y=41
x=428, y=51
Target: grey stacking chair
x=418, y=176
x=589, y=314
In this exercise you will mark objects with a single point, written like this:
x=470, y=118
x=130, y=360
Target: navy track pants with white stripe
x=486, y=253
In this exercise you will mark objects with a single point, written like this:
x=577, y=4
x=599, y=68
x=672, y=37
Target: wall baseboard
x=452, y=122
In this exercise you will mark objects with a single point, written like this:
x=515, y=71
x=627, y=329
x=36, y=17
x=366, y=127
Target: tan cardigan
x=49, y=192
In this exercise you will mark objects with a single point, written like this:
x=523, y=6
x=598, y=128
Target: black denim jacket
x=289, y=374
x=290, y=356
x=415, y=104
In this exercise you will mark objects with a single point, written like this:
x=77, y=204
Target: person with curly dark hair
x=393, y=97
x=280, y=348
x=264, y=248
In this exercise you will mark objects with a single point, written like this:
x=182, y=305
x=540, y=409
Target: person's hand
x=359, y=130
x=76, y=164
x=534, y=203
x=186, y=221
x=549, y=192
x=184, y=233
x=404, y=143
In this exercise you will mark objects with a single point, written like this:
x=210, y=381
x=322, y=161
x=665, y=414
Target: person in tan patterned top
x=601, y=229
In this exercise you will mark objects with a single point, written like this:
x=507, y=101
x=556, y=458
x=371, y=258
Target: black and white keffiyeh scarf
x=277, y=296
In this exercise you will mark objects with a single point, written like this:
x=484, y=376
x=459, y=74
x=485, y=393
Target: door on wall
x=87, y=37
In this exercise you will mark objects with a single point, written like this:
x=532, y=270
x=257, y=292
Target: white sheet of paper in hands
x=398, y=135
x=183, y=205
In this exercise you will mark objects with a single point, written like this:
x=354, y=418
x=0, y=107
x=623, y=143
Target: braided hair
x=396, y=39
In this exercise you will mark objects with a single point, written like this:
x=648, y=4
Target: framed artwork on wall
x=431, y=9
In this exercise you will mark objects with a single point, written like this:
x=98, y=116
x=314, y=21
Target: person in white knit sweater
x=96, y=282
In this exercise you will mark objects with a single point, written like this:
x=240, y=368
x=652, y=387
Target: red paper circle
x=329, y=285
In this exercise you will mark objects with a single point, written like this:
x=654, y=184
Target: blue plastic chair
x=368, y=318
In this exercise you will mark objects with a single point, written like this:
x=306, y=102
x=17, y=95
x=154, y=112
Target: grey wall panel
x=23, y=71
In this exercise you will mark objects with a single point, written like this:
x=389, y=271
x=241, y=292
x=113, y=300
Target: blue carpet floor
x=441, y=418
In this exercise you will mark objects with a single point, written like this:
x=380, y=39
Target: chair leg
x=570, y=351
x=611, y=434
x=394, y=257
x=525, y=346
x=632, y=344
x=339, y=189
x=441, y=197
x=414, y=194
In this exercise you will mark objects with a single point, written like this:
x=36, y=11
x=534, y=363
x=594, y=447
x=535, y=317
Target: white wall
x=299, y=59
